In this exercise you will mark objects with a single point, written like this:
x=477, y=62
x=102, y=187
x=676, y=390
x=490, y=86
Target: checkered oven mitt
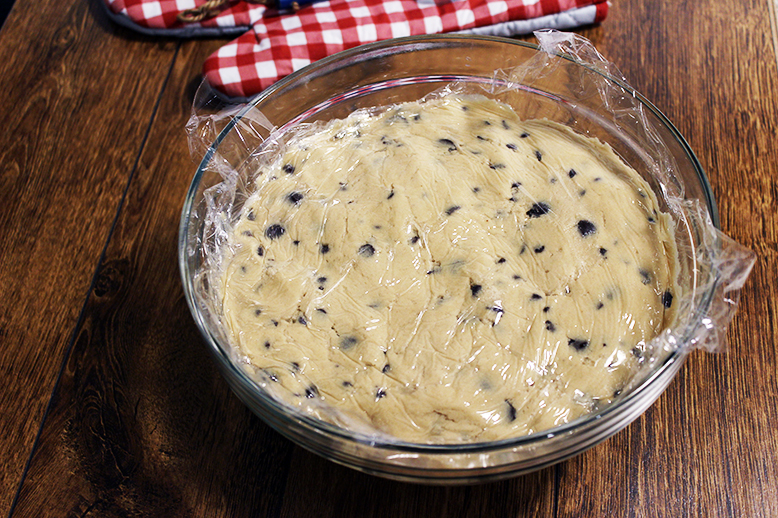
x=276, y=42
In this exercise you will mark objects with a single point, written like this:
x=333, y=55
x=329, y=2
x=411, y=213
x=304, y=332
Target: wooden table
x=110, y=403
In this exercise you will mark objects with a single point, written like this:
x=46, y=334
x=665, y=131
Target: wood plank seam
x=95, y=276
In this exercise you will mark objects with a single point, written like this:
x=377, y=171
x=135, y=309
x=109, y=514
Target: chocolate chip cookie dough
x=447, y=272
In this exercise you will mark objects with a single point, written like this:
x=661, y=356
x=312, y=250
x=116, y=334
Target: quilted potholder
x=274, y=43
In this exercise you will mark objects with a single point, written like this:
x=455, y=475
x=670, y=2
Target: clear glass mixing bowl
x=406, y=70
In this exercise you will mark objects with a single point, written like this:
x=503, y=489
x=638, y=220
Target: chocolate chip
x=449, y=143
x=321, y=280
x=651, y=220
x=523, y=249
x=260, y=251
x=247, y=233
x=275, y=231
x=386, y=368
x=288, y=168
x=296, y=242
x=539, y=249
x=347, y=342
x=311, y=392
x=512, y=147
x=274, y=322
x=586, y=228
x=524, y=135
x=598, y=179
x=475, y=289
x=505, y=125
x=321, y=310
x=301, y=319
x=571, y=173
x=273, y=377
x=391, y=194
x=348, y=384
x=515, y=186
x=452, y=209
x=536, y=296
x=667, y=298
x=250, y=216
x=476, y=189
x=501, y=260
x=296, y=366
x=257, y=312
x=511, y=411
x=578, y=345
x=538, y=155
x=479, y=137
x=324, y=248
x=294, y=197
x=582, y=193
x=550, y=326
x=546, y=309
x=496, y=166
x=414, y=240
x=538, y=209
x=599, y=305
x=366, y=250
x=380, y=393
x=603, y=251
x=645, y=276
x=516, y=277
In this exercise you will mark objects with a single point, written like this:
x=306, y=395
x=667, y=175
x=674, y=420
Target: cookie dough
x=446, y=272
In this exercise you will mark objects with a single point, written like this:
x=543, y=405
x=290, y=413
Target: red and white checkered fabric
x=278, y=43
x=159, y=17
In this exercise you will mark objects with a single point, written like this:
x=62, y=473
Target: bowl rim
x=289, y=414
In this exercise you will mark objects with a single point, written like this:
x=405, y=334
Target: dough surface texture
x=445, y=272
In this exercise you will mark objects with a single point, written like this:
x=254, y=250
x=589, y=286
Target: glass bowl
x=406, y=70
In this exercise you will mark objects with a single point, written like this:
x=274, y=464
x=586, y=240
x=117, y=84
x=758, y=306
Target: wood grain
x=74, y=114
x=706, y=448
x=140, y=422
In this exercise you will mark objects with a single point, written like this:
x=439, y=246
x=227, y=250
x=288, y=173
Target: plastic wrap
x=710, y=268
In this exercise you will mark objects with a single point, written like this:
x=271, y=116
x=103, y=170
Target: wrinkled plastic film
x=724, y=265
x=720, y=269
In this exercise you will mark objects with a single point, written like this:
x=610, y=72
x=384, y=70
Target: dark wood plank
x=334, y=492
x=707, y=448
x=142, y=424
x=74, y=114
